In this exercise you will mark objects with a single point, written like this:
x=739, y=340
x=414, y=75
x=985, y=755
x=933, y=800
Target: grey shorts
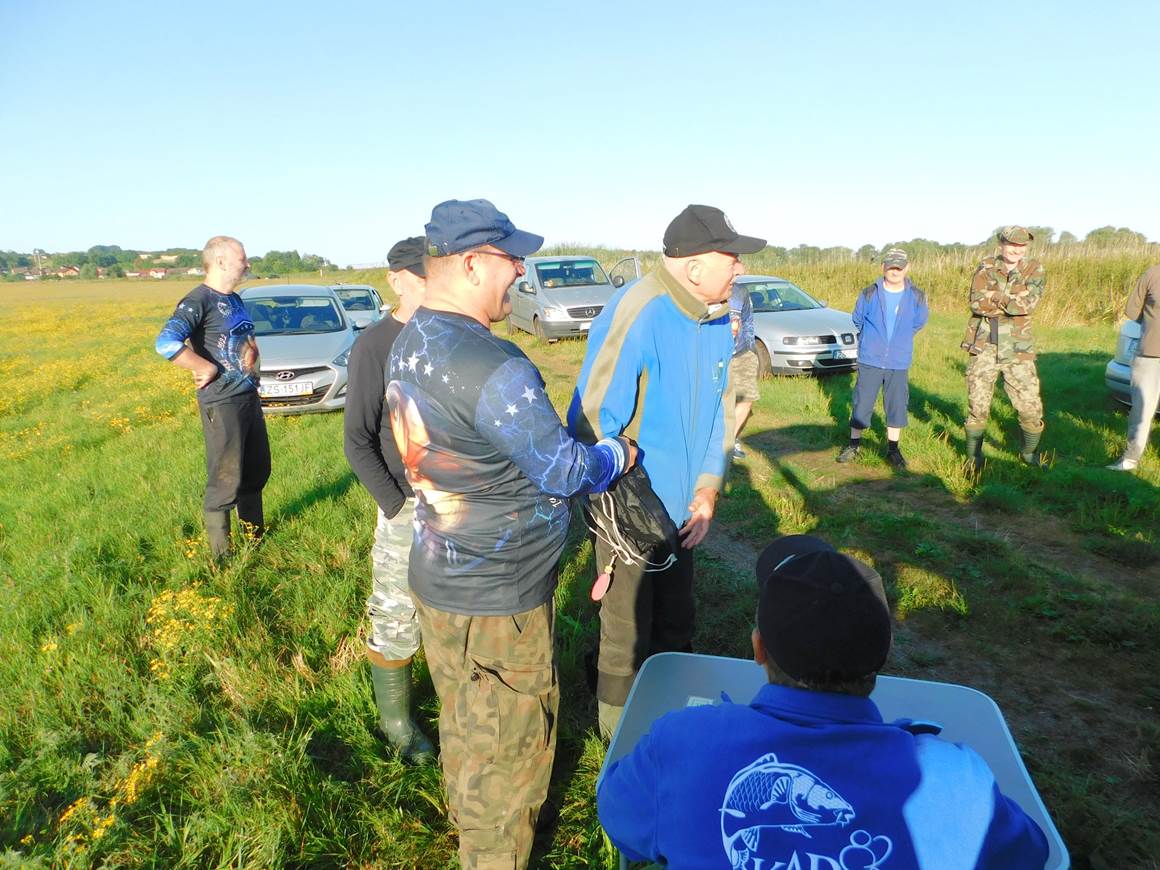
x=743, y=371
x=895, y=389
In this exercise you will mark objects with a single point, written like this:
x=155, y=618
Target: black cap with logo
x=702, y=228
x=408, y=254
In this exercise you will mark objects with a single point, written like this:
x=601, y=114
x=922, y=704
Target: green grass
x=224, y=718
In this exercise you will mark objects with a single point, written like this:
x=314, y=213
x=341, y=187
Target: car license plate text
x=843, y=353
x=276, y=390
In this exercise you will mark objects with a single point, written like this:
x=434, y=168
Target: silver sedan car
x=304, y=338
x=1118, y=374
x=795, y=332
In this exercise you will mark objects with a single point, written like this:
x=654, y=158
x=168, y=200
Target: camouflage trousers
x=1020, y=380
x=394, y=624
x=498, y=695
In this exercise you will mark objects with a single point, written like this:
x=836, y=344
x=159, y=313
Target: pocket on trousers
x=509, y=715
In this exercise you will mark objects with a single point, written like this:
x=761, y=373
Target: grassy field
x=156, y=713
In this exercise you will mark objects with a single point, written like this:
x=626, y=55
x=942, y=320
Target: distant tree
x=1066, y=238
x=88, y=271
x=1109, y=235
x=867, y=253
x=1042, y=235
x=115, y=271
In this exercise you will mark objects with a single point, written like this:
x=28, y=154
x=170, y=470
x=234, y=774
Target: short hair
x=215, y=248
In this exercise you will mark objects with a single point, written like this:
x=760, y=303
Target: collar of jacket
x=804, y=705
x=688, y=304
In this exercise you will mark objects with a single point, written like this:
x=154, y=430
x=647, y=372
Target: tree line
x=114, y=261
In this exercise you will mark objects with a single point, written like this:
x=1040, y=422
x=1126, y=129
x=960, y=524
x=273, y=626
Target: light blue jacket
x=657, y=370
x=870, y=320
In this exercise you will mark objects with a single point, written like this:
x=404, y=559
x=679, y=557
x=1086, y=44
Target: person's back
x=808, y=778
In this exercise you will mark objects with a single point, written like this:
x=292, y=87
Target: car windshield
x=294, y=315
x=356, y=298
x=570, y=273
x=779, y=296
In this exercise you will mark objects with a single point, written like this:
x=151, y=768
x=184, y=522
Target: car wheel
x=764, y=364
x=538, y=330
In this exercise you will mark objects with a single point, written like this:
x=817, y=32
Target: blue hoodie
x=874, y=347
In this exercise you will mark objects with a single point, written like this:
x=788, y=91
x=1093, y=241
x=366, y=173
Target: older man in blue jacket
x=887, y=316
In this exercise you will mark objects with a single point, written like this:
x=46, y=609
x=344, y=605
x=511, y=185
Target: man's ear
x=759, y=654
x=693, y=270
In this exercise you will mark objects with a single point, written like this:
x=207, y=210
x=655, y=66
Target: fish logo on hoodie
x=770, y=794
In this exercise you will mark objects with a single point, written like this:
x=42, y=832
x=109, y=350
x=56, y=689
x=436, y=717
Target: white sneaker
x=1123, y=465
x=738, y=450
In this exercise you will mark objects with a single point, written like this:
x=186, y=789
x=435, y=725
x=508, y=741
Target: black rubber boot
x=393, y=698
x=250, y=517
x=975, y=447
x=1030, y=451
x=217, y=532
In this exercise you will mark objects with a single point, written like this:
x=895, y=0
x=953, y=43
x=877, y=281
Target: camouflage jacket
x=1001, y=304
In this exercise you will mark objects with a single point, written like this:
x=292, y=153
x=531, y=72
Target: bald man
x=211, y=335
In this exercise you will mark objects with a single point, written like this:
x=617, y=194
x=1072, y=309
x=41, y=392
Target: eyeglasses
x=518, y=262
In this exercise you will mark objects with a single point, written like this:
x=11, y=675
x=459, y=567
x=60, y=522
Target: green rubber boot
x=217, y=532
x=393, y=698
x=1030, y=452
x=975, y=447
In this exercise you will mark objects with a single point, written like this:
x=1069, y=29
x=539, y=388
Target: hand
x=204, y=374
x=630, y=451
x=696, y=527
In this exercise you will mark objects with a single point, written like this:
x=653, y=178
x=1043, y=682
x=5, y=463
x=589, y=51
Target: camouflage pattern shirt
x=1002, y=300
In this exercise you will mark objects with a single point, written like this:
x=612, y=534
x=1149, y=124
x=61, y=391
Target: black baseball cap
x=702, y=228
x=822, y=615
x=408, y=254
x=460, y=225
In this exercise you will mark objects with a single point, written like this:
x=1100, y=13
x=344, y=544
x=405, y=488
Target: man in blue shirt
x=808, y=774
x=887, y=316
x=211, y=335
x=492, y=470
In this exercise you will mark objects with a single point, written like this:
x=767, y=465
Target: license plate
x=276, y=390
x=584, y=326
x=845, y=354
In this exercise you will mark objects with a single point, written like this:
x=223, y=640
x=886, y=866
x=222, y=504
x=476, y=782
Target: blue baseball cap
x=460, y=225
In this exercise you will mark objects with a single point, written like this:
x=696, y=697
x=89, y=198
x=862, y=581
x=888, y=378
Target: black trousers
x=641, y=614
x=237, y=450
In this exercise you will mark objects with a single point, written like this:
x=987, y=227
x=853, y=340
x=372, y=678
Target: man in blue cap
x=492, y=469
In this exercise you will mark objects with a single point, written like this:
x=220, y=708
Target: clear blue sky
x=333, y=127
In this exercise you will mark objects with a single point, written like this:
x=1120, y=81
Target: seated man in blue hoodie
x=887, y=315
x=808, y=774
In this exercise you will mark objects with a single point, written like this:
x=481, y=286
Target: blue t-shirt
x=217, y=327
x=891, y=299
x=741, y=319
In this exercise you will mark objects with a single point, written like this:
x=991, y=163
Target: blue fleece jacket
x=657, y=370
x=875, y=348
x=811, y=780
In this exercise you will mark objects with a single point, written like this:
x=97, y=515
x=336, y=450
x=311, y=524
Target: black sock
x=855, y=442
x=892, y=446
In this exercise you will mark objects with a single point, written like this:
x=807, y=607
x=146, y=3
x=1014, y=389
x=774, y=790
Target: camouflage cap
x=1015, y=235
x=895, y=257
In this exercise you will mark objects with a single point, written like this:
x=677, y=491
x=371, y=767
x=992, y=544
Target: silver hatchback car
x=304, y=338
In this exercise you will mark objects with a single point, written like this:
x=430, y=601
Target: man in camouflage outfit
x=1004, y=292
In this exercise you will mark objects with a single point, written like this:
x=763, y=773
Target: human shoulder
x=375, y=342
x=919, y=294
x=869, y=289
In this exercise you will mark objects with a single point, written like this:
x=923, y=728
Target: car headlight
x=555, y=314
x=790, y=339
x=342, y=358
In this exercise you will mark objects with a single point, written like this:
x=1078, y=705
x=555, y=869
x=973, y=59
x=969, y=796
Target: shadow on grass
x=331, y=490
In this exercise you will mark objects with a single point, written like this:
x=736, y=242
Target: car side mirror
x=525, y=287
x=618, y=281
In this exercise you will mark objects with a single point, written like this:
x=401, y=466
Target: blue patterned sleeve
x=514, y=414
x=178, y=328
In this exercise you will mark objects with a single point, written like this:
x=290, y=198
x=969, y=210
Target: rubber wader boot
x=217, y=532
x=608, y=715
x=975, y=447
x=1029, y=453
x=250, y=517
x=393, y=698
